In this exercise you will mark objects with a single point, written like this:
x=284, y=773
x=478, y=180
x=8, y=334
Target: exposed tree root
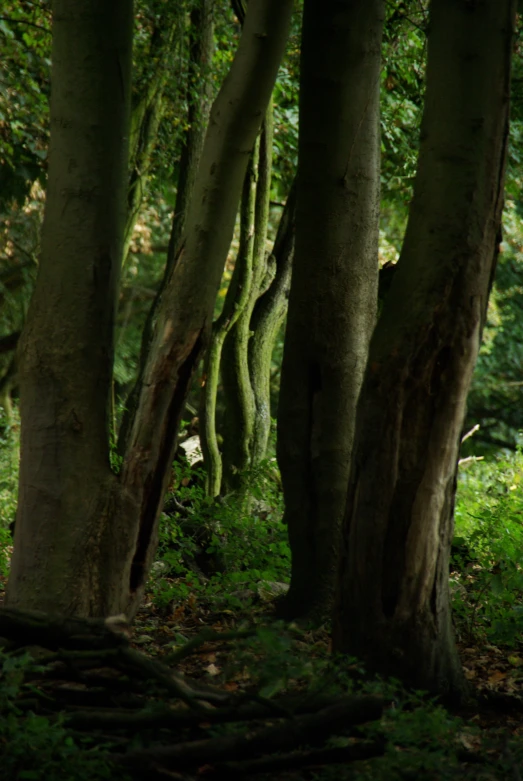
x=87, y=672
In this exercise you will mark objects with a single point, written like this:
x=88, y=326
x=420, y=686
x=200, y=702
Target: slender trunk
x=240, y=404
x=393, y=603
x=61, y=560
x=146, y=116
x=199, y=99
x=266, y=321
x=332, y=303
x=236, y=299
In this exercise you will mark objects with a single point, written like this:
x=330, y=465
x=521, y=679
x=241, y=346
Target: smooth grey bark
x=62, y=555
x=392, y=601
x=332, y=305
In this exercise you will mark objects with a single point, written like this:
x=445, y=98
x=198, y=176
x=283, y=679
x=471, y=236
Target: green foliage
x=9, y=457
x=274, y=660
x=25, y=41
x=488, y=550
x=34, y=747
x=421, y=738
x=421, y=742
x=496, y=397
x=217, y=547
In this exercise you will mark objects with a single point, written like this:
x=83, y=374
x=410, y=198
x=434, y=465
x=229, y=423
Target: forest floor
x=482, y=741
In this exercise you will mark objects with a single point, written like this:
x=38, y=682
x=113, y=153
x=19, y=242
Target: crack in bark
x=153, y=491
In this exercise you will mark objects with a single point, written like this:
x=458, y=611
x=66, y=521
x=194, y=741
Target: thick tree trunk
x=333, y=295
x=393, y=604
x=85, y=539
x=62, y=560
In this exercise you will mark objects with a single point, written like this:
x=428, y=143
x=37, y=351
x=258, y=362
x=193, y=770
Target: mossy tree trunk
x=148, y=110
x=199, y=100
x=199, y=94
x=85, y=537
x=266, y=321
x=146, y=114
x=238, y=395
x=393, y=599
x=236, y=300
x=332, y=304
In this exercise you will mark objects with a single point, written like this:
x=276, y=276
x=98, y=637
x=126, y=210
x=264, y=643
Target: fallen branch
x=206, y=636
x=86, y=671
x=296, y=759
x=168, y=716
x=303, y=729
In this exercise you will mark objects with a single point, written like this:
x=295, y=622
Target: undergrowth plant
x=9, y=460
x=216, y=547
x=488, y=549
x=37, y=748
x=420, y=739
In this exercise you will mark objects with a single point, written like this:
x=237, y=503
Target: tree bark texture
x=393, y=603
x=199, y=99
x=332, y=305
x=236, y=299
x=60, y=558
x=238, y=395
x=146, y=115
x=199, y=89
x=267, y=319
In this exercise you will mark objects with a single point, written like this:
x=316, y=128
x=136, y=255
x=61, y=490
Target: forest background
x=234, y=547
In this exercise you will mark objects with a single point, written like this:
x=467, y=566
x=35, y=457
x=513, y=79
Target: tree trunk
x=393, y=603
x=199, y=89
x=146, y=115
x=199, y=99
x=238, y=396
x=59, y=560
x=236, y=299
x=266, y=321
x=85, y=539
x=333, y=294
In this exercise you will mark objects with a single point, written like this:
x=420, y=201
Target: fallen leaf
x=496, y=676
